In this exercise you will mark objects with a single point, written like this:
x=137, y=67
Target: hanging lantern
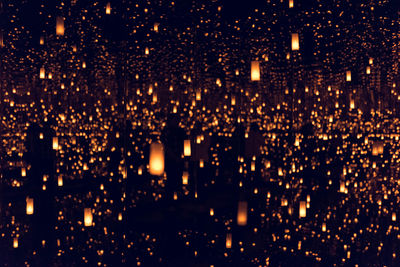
x=1, y=40
x=198, y=95
x=368, y=70
x=23, y=172
x=29, y=206
x=377, y=148
x=291, y=4
x=233, y=100
x=60, y=181
x=15, y=242
x=255, y=71
x=228, y=242
x=323, y=227
x=352, y=105
x=108, y=8
x=146, y=51
x=186, y=148
x=88, y=217
x=185, y=178
x=41, y=41
x=394, y=216
x=348, y=76
x=342, y=188
x=295, y=42
x=253, y=166
x=55, y=143
x=42, y=73
x=60, y=26
x=156, y=161
x=371, y=61
x=155, y=27
x=303, y=209
x=242, y=213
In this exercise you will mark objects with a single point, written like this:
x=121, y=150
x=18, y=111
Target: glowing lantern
x=156, y=161
x=342, y=188
x=60, y=181
x=88, y=217
x=253, y=166
x=233, y=100
x=41, y=42
x=198, y=95
x=368, y=70
x=323, y=227
x=156, y=24
x=303, y=209
x=352, y=105
x=295, y=42
x=348, y=76
x=228, y=242
x=55, y=143
x=255, y=71
x=60, y=26
x=120, y=216
x=146, y=51
x=1, y=40
x=29, y=206
x=242, y=213
x=377, y=148
x=371, y=61
x=291, y=4
x=42, y=73
x=394, y=216
x=23, y=172
x=186, y=148
x=185, y=178
x=15, y=242
x=201, y=163
x=108, y=8
x=211, y=212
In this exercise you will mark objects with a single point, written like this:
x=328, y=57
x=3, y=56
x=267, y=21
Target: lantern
x=233, y=100
x=60, y=26
x=146, y=51
x=352, y=105
x=186, y=148
x=88, y=216
x=185, y=178
x=295, y=42
x=368, y=70
x=323, y=227
x=23, y=172
x=348, y=76
x=15, y=242
x=371, y=61
x=253, y=166
x=291, y=4
x=29, y=206
x=228, y=242
x=394, y=216
x=108, y=8
x=303, y=209
x=201, y=163
x=377, y=148
x=198, y=95
x=60, y=181
x=242, y=213
x=42, y=73
x=211, y=212
x=156, y=161
x=255, y=71
x=155, y=27
x=120, y=216
x=342, y=188
x=1, y=40
x=55, y=143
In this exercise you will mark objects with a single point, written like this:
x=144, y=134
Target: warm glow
x=255, y=71
x=186, y=148
x=302, y=209
x=185, y=178
x=88, y=217
x=348, y=76
x=108, y=8
x=156, y=161
x=29, y=206
x=60, y=26
x=295, y=42
x=242, y=213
